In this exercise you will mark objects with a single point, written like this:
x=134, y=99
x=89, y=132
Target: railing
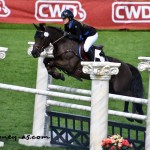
x=73, y=131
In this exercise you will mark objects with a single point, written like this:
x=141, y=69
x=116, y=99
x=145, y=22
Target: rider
x=79, y=32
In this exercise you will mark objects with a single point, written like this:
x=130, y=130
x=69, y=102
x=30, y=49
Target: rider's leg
x=88, y=45
x=91, y=53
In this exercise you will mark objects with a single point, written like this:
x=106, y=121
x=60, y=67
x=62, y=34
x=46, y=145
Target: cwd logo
x=131, y=12
x=4, y=11
x=51, y=10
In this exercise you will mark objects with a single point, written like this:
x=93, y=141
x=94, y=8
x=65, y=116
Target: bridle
x=46, y=35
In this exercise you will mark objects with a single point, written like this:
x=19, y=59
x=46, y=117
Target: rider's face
x=66, y=20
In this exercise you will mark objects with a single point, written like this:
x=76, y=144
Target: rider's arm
x=77, y=32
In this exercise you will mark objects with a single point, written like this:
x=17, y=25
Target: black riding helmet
x=67, y=14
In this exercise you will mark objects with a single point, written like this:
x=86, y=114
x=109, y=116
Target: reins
x=54, y=41
x=58, y=39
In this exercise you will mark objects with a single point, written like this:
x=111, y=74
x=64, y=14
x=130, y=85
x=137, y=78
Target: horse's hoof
x=62, y=77
x=140, y=113
x=131, y=120
x=138, y=121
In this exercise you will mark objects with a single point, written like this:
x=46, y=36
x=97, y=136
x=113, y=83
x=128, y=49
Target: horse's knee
x=57, y=75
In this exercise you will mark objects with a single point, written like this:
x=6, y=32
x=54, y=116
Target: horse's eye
x=39, y=35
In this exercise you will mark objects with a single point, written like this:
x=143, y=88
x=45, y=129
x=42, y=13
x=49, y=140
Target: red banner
x=106, y=14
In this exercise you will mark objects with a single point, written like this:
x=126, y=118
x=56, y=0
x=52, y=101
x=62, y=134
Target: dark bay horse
x=127, y=82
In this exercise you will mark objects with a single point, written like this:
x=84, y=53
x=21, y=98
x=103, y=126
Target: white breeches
x=90, y=41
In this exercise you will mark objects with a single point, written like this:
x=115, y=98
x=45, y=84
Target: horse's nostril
x=34, y=54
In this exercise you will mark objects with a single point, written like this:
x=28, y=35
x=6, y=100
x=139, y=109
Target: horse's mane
x=56, y=28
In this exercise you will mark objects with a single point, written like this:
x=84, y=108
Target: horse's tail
x=137, y=87
x=136, y=83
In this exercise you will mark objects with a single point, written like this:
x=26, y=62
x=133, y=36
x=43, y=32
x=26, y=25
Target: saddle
x=96, y=53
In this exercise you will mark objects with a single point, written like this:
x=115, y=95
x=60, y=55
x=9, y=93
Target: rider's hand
x=66, y=34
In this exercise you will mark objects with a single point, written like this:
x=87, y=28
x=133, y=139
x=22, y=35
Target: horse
x=127, y=82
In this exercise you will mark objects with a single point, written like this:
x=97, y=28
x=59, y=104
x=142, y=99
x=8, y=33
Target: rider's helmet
x=67, y=14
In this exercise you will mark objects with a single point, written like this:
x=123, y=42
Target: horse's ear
x=42, y=26
x=37, y=27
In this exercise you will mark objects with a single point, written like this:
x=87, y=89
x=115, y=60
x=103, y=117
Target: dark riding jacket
x=79, y=31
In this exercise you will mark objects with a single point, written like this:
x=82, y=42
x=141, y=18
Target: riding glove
x=66, y=34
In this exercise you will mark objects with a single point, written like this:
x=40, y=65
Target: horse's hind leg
x=136, y=89
x=137, y=109
x=126, y=106
x=125, y=93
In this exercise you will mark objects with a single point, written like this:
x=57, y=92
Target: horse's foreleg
x=49, y=64
x=55, y=74
x=52, y=71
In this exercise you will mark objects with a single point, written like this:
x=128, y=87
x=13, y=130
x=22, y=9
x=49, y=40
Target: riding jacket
x=79, y=31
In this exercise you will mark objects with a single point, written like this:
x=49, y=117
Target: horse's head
x=42, y=40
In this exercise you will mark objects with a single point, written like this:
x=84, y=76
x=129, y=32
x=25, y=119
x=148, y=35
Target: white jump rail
x=88, y=92
x=144, y=65
x=43, y=92
x=67, y=96
x=3, y=51
x=69, y=89
x=88, y=108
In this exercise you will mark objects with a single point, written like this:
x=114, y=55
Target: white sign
x=4, y=10
x=131, y=12
x=51, y=10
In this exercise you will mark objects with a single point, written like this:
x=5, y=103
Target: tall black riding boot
x=91, y=54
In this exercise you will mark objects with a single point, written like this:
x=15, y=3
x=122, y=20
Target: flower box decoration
x=116, y=142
